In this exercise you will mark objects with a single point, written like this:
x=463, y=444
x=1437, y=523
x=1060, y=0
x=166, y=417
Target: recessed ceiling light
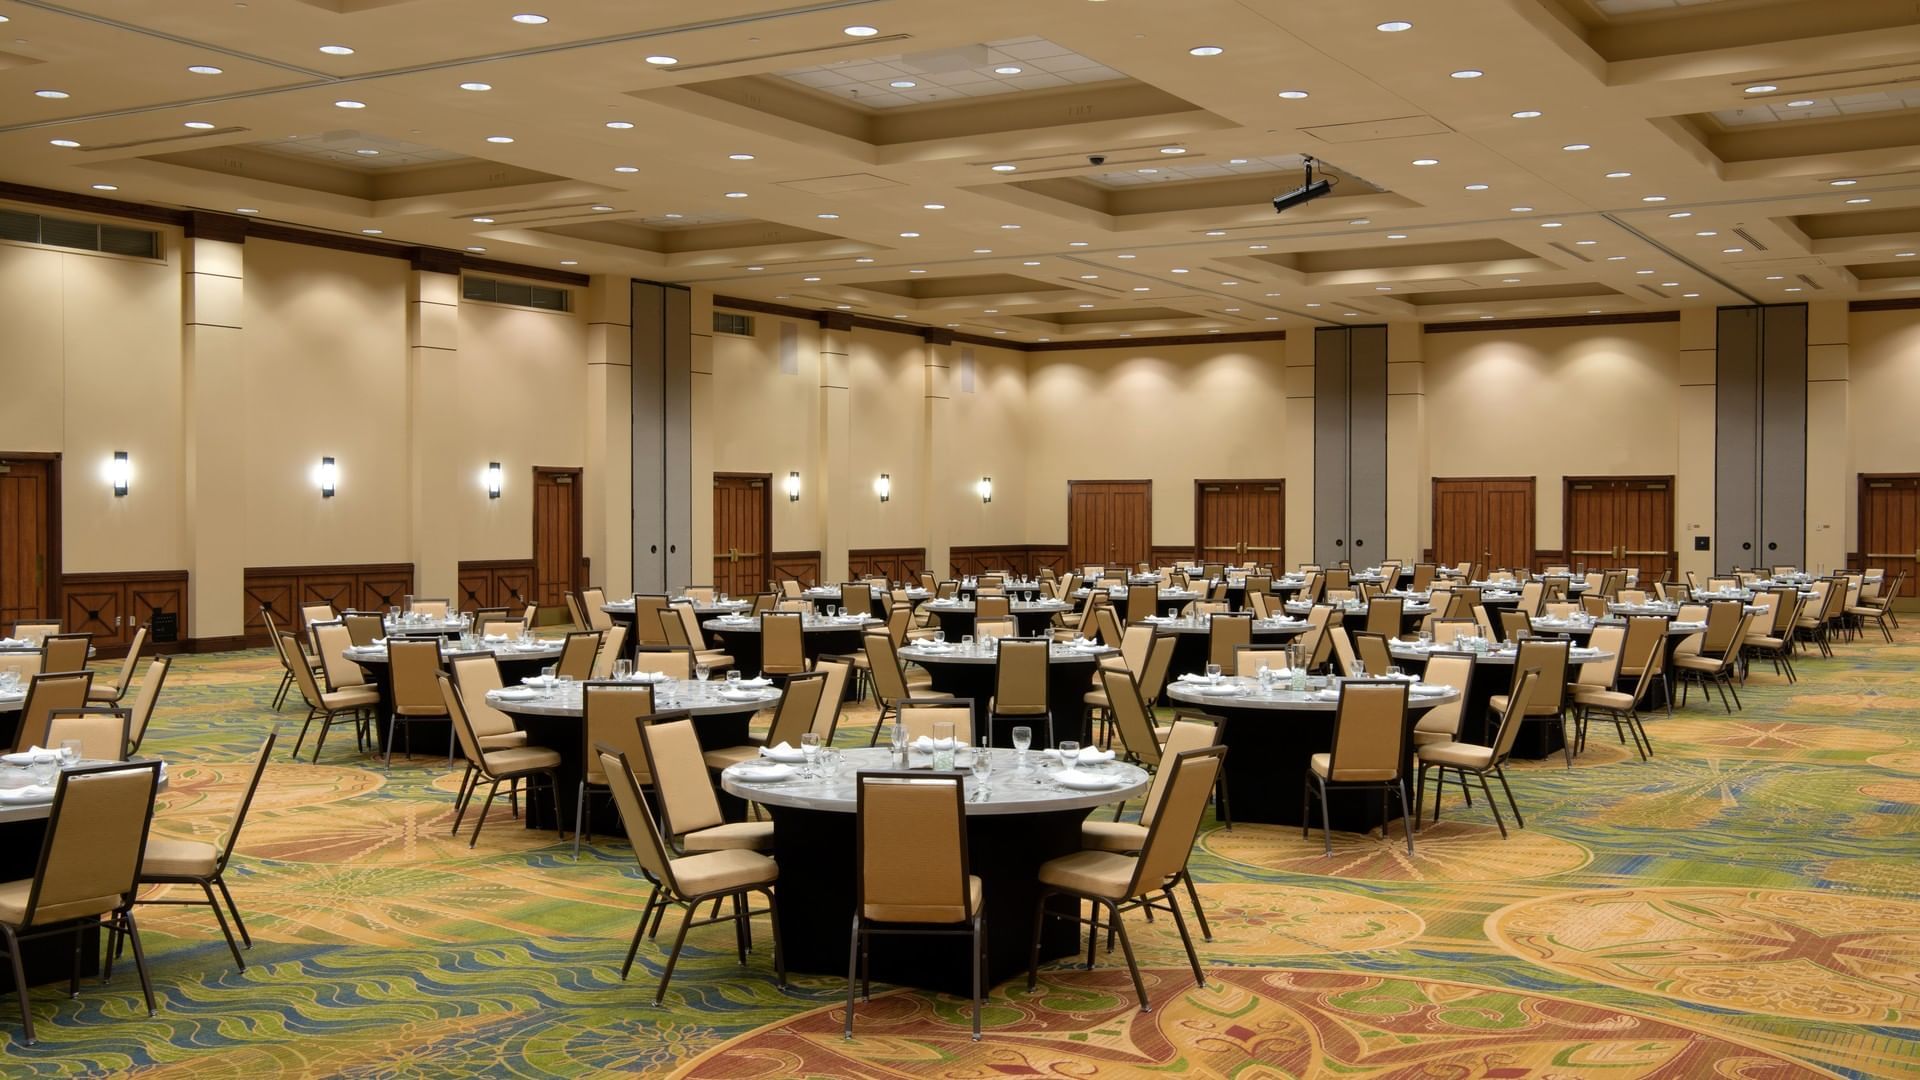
x=1272, y=318
x=1216, y=232
x=859, y=31
x=1858, y=201
x=1426, y=161
x=673, y=216
x=1349, y=314
x=1776, y=277
x=1486, y=316
x=909, y=236
x=1030, y=263
x=1089, y=277
x=1681, y=214
x=983, y=251
x=475, y=247
x=336, y=50
x=1004, y=168
x=739, y=157
x=1476, y=187
x=373, y=232
x=626, y=168
x=1126, y=256
x=933, y=206
x=1313, y=305
x=1593, y=311
x=1731, y=251
x=1237, y=161
x=1394, y=27
x=999, y=331
x=1643, y=272
x=1009, y=226
x=828, y=217
x=198, y=125
x=476, y=86
x=569, y=262
x=1577, y=146
x=663, y=61
x=1205, y=50
x=989, y=311
x=1468, y=73
x=1842, y=183
x=349, y=104
x=1526, y=114
x=482, y=220
x=1669, y=284
x=1180, y=270
x=1149, y=172
x=1361, y=221
x=1086, y=305
x=1173, y=149
x=1293, y=95
x=600, y=208
x=368, y=152
x=756, y=268
x=1586, y=243
x=106, y=187
x=1793, y=288
x=1383, y=288
x=903, y=84
x=1076, y=243
x=1256, y=247
x=245, y=210
x=1396, y=236
x=1510, y=281
x=1520, y=209
x=1800, y=104
x=1762, y=88
x=1007, y=69
x=530, y=20
x=204, y=69
x=1653, y=198
x=1903, y=254
x=1690, y=295
x=1616, y=258
x=809, y=279
x=1550, y=225
x=864, y=259
x=1140, y=288
x=55, y=95
x=67, y=144
x=499, y=138
x=1229, y=283
x=1620, y=175
x=736, y=194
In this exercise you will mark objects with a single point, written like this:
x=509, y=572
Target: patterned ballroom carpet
x=1745, y=905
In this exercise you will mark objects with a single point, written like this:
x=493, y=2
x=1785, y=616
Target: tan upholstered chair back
x=990, y=606
x=636, y=817
x=1423, y=574
x=102, y=732
x=675, y=663
x=782, y=645
x=671, y=754
x=1142, y=601
x=612, y=713
x=1227, y=633
x=1000, y=627
x=1531, y=596
x=1153, y=673
x=699, y=594
x=1368, y=731
x=1248, y=658
x=1524, y=698
x=647, y=626
x=1641, y=647
x=791, y=589
x=1189, y=731
x=592, y=599
x=612, y=642
x=495, y=625
x=24, y=664
x=131, y=662
x=1723, y=624
x=1383, y=615
x=857, y=598
x=1343, y=649
x=1549, y=658
x=1020, y=678
x=1109, y=624
x=1177, y=817
x=1134, y=642
x=1130, y=712
x=1373, y=652
x=826, y=715
x=1515, y=623
x=45, y=693
x=1632, y=596
x=913, y=849
x=474, y=675
x=883, y=664
x=919, y=716
x=1454, y=671
x=67, y=652
x=1601, y=673
x=362, y=628
x=148, y=696
x=316, y=612
x=96, y=836
x=899, y=620
x=302, y=674
x=415, y=668
x=576, y=656
x=454, y=705
x=330, y=642
x=799, y=701
x=1560, y=609
x=434, y=607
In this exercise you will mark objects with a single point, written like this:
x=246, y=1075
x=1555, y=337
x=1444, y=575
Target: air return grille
x=727, y=322
x=80, y=235
x=515, y=293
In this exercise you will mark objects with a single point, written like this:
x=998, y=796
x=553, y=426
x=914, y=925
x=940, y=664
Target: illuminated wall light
x=119, y=471
x=793, y=487
x=883, y=487
x=493, y=479
x=328, y=477
x=986, y=489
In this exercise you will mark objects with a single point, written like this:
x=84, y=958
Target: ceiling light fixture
x=1293, y=95
x=600, y=208
x=64, y=144
x=349, y=104
x=198, y=125
x=1586, y=243
x=1396, y=236
x=739, y=157
x=828, y=217
x=569, y=262
x=55, y=95
x=1476, y=187
x=476, y=86
x=1520, y=209
x=1669, y=284
x=476, y=248
x=1681, y=214
x=1858, y=201
x=1004, y=168
x=245, y=210
x=1653, y=198
x=1009, y=226
x=1076, y=243
x=1173, y=149
x=1577, y=146
x=1621, y=175
x=809, y=279
x=620, y=125
x=1731, y=251
x=499, y=138
x=1842, y=183
x=626, y=168
x=530, y=20
x=106, y=187
x=1527, y=114
x=1205, y=50
x=1426, y=161
x=1394, y=27
x=1762, y=88
x=903, y=84
x=373, y=232
x=1691, y=295
x=205, y=69
x=736, y=194
x=336, y=50
x=909, y=236
x=1008, y=69
x=933, y=206
x=983, y=251
x=1467, y=73
x=1216, y=232
x=1550, y=225
x=859, y=31
x=482, y=221
x=663, y=61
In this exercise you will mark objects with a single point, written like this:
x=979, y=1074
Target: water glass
x=701, y=671
x=546, y=681
x=566, y=686
x=1022, y=739
x=623, y=668
x=810, y=749
x=939, y=637
x=829, y=762
x=982, y=769
x=393, y=614
x=1069, y=753
x=733, y=677
x=966, y=641
x=1213, y=672
x=406, y=603
x=69, y=751
x=841, y=611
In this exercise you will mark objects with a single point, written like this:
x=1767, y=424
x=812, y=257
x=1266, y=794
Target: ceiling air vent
x=79, y=235
x=727, y=322
x=1752, y=243
x=517, y=294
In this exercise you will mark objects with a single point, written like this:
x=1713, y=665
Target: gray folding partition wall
x=662, y=437
x=1350, y=444
x=1760, y=437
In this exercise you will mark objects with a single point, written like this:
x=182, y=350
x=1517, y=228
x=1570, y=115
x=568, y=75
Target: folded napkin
x=14, y=643
x=33, y=755
x=927, y=745
x=1688, y=625
x=1432, y=688
x=730, y=694
x=1331, y=693
x=783, y=752
x=1086, y=755
x=1188, y=676
x=33, y=794
x=763, y=774
x=536, y=680
x=379, y=642
x=754, y=683
x=515, y=693
x=1083, y=643
x=1220, y=689
x=1087, y=781
x=494, y=637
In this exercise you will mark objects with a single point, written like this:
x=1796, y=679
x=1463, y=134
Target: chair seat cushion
x=1430, y=738
x=1466, y=755
x=105, y=693
x=178, y=858
x=733, y=836
x=925, y=913
x=1869, y=612
x=1498, y=703
x=352, y=697
x=521, y=759
x=713, y=658
x=1696, y=662
x=1104, y=874
x=861, y=663
x=1097, y=699
x=13, y=905
x=730, y=755
x=1121, y=837
x=722, y=872
x=1767, y=642
x=1320, y=763
x=920, y=677
x=1601, y=698
x=505, y=740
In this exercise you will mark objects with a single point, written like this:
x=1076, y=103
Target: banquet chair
x=918, y=715
x=593, y=600
x=857, y=598
x=792, y=718
x=1532, y=595
x=170, y=861
x=1256, y=585
x=96, y=835
x=648, y=625
x=1369, y=751
x=1263, y=605
x=668, y=745
x=111, y=695
x=286, y=662
x=1515, y=624
x=330, y=643
x=495, y=767
x=24, y=663
x=66, y=652
x=1442, y=722
x=1110, y=632
x=1225, y=633
x=1384, y=614
x=1207, y=608
x=1338, y=577
x=1343, y=653
x=782, y=645
x=355, y=702
x=700, y=594
x=1135, y=644
x=612, y=714
x=46, y=692
x=101, y=730
x=991, y=606
x=1249, y=659
x=1876, y=603
x=1083, y=623
x=528, y=616
x=762, y=603
x=1373, y=652
x=414, y=669
x=497, y=626
x=1776, y=642
x=1631, y=596
x=317, y=611
x=826, y=716
x=1447, y=631
x=1020, y=684
x=673, y=661
x=140, y=713
x=690, y=635
x=577, y=655
x=1469, y=757
x=1557, y=586
x=483, y=614
x=999, y=627
x=1314, y=588
x=1593, y=604
x=474, y=674
x=1713, y=664
x=575, y=612
x=890, y=682
x=35, y=631
x=1113, y=882
x=363, y=628
x=613, y=643
x=790, y=588
x=1423, y=575
x=1560, y=609
x=911, y=872
x=947, y=590
x=1620, y=707
x=1549, y=658
x=688, y=880
x=1147, y=741
x=1814, y=623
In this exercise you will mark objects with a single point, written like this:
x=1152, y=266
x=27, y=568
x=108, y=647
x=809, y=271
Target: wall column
x=1832, y=484
x=433, y=397
x=1408, y=506
x=1694, y=469
x=835, y=468
x=941, y=484
x=607, y=515
x=1297, y=383
x=213, y=363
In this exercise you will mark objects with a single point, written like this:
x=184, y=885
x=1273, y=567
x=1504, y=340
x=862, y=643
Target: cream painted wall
x=766, y=421
x=887, y=409
x=992, y=436
x=1884, y=372
x=1578, y=401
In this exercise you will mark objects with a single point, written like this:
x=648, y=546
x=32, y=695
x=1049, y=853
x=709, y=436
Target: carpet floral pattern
x=1746, y=904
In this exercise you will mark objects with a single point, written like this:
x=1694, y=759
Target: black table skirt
x=745, y=647
x=1537, y=739
x=429, y=737
x=1190, y=652
x=48, y=959
x=1067, y=686
x=956, y=624
x=564, y=734
x=1266, y=768
x=817, y=890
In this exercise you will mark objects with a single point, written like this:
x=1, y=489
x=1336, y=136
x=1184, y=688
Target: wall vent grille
x=728, y=322
x=28, y=228
x=515, y=293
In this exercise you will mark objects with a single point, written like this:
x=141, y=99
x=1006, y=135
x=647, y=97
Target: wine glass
x=897, y=738
x=982, y=770
x=623, y=669
x=810, y=748
x=1022, y=738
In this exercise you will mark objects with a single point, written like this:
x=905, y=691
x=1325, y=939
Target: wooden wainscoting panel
x=380, y=591
x=365, y=586
x=506, y=583
x=341, y=592
x=269, y=596
x=1172, y=556
x=95, y=608
x=894, y=564
x=987, y=558
x=110, y=604
x=1545, y=557
x=1047, y=557
x=800, y=566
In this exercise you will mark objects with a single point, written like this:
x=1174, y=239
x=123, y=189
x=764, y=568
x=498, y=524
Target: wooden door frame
x=1533, y=503
x=1070, y=486
x=766, y=515
x=55, y=595
x=579, y=554
x=1566, y=503
x=1199, y=485
x=1860, y=510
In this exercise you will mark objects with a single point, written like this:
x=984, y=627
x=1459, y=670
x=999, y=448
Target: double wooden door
x=1109, y=522
x=1237, y=521
x=1890, y=526
x=28, y=525
x=741, y=533
x=556, y=536
x=1483, y=519
x=1614, y=521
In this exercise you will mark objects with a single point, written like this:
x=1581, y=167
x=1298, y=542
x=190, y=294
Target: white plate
x=741, y=695
x=1433, y=689
x=1086, y=781
x=1218, y=689
x=28, y=757
x=516, y=693
x=764, y=774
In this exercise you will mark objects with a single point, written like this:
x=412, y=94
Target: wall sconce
x=883, y=487
x=793, y=487
x=119, y=471
x=328, y=474
x=986, y=489
x=493, y=479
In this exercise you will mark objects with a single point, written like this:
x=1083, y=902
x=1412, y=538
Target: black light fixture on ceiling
x=1309, y=190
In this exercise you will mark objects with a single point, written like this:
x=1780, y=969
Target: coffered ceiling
x=936, y=163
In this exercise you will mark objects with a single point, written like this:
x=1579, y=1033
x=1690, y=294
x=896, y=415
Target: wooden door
x=1483, y=519
x=1613, y=521
x=1237, y=521
x=1109, y=522
x=741, y=534
x=556, y=536
x=29, y=523
x=1890, y=526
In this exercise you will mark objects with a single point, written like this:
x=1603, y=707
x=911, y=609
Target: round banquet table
x=1192, y=645
x=555, y=722
x=1355, y=614
x=621, y=612
x=969, y=673
x=1272, y=736
x=740, y=639
x=1170, y=603
x=826, y=599
x=1023, y=590
x=1493, y=674
x=1033, y=617
x=426, y=736
x=1025, y=821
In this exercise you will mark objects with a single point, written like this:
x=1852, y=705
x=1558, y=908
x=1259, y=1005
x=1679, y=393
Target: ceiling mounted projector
x=1309, y=190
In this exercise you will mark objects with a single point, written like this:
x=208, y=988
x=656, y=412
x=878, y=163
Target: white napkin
x=1086, y=781
x=515, y=693
x=494, y=637
x=1220, y=689
x=648, y=677
x=35, y=794
x=764, y=774
x=927, y=745
x=379, y=641
x=1432, y=688
x=739, y=695
x=1190, y=677
x=754, y=683
x=536, y=680
x=14, y=643
x=1087, y=755
x=33, y=755
x=783, y=752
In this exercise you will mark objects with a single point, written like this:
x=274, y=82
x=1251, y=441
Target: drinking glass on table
x=623, y=668
x=69, y=751
x=1022, y=738
x=566, y=685
x=810, y=749
x=966, y=641
x=939, y=637
x=701, y=671
x=733, y=677
x=982, y=770
x=1213, y=672
x=1069, y=753
x=546, y=680
x=897, y=739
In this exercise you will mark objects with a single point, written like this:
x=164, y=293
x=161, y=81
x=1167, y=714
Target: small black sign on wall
x=1702, y=543
x=165, y=627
